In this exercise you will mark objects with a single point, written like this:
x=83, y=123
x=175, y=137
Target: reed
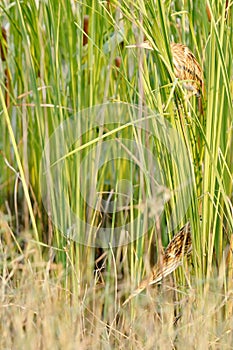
x=62, y=61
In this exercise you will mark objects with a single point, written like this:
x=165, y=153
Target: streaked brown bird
x=179, y=247
x=186, y=68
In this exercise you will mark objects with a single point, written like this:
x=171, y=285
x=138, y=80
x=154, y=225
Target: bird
x=186, y=68
x=179, y=247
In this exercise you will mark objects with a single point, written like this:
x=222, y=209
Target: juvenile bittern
x=186, y=68
x=179, y=247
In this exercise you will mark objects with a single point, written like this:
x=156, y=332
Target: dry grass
x=39, y=310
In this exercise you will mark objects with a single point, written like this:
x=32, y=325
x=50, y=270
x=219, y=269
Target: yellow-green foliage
x=55, y=291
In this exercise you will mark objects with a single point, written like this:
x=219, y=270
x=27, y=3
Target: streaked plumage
x=187, y=68
x=179, y=247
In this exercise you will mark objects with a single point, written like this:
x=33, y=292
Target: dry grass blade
x=179, y=247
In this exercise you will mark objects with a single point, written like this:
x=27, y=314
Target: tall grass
x=55, y=290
